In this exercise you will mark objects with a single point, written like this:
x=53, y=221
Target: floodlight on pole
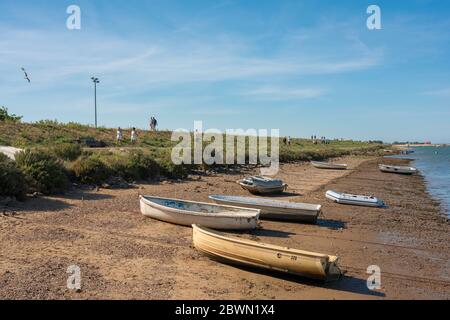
x=96, y=81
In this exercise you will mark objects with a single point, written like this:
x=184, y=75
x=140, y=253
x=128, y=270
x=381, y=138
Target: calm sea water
x=434, y=164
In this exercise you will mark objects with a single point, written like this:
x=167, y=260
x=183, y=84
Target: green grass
x=48, y=133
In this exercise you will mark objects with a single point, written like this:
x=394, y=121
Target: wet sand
x=123, y=255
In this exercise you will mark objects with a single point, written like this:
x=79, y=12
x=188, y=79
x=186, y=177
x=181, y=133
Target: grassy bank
x=49, y=133
x=57, y=154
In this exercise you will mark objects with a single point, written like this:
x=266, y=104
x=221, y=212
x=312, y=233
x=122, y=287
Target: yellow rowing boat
x=250, y=253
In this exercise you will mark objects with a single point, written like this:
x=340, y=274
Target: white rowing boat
x=262, y=185
x=209, y=215
x=397, y=169
x=266, y=256
x=328, y=165
x=274, y=209
x=353, y=199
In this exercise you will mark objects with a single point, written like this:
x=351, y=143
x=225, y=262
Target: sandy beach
x=123, y=255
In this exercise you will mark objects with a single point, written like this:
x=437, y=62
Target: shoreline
x=445, y=206
x=434, y=145
x=124, y=255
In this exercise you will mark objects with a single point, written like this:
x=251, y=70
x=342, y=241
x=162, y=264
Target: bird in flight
x=26, y=75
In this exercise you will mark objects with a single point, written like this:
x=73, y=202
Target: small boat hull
x=187, y=213
x=273, y=209
x=265, y=256
x=397, y=169
x=330, y=166
x=352, y=199
x=262, y=191
x=262, y=185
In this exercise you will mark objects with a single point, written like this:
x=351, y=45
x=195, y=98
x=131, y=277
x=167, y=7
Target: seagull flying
x=26, y=75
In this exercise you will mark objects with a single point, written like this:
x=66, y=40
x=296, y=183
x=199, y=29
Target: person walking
x=155, y=124
x=152, y=127
x=119, y=136
x=134, y=136
x=289, y=140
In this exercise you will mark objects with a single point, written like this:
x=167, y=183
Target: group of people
x=322, y=140
x=134, y=133
x=153, y=124
x=287, y=140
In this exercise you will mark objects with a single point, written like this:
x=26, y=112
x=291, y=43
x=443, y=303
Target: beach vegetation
x=67, y=151
x=12, y=180
x=44, y=173
x=90, y=170
x=135, y=165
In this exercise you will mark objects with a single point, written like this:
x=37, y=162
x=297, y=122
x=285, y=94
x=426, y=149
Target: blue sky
x=305, y=67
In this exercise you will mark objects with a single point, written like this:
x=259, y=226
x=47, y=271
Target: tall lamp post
x=95, y=80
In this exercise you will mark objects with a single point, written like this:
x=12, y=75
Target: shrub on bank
x=67, y=151
x=287, y=155
x=135, y=166
x=172, y=171
x=12, y=180
x=90, y=170
x=43, y=172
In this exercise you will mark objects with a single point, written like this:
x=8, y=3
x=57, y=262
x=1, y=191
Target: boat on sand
x=274, y=209
x=353, y=199
x=397, y=169
x=209, y=215
x=262, y=185
x=328, y=165
x=265, y=256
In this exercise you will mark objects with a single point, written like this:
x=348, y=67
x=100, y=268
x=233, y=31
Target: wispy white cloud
x=164, y=71
x=52, y=58
x=282, y=93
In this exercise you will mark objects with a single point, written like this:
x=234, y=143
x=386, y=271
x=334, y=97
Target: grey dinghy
x=397, y=169
x=328, y=165
x=262, y=185
x=274, y=209
x=357, y=200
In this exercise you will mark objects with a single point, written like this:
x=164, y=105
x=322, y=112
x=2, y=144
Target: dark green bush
x=172, y=171
x=12, y=180
x=67, y=151
x=135, y=166
x=90, y=170
x=44, y=173
x=142, y=166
